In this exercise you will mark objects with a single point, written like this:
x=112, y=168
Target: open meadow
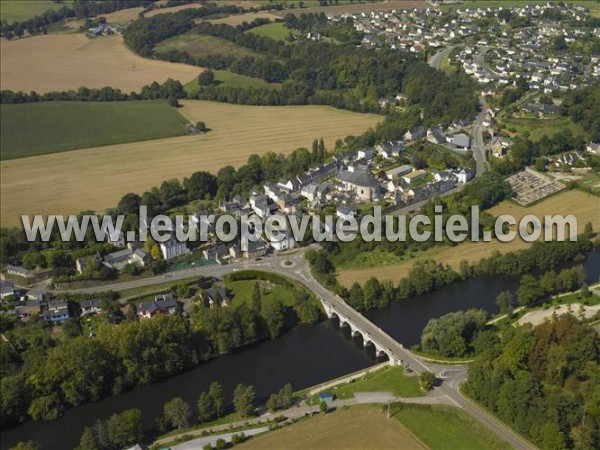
x=359, y=427
x=37, y=128
x=200, y=45
x=236, y=19
x=276, y=30
x=96, y=178
x=584, y=206
x=17, y=10
x=68, y=61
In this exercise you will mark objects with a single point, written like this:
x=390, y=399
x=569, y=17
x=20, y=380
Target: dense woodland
x=543, y=381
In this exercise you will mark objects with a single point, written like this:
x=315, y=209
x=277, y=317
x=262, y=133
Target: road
x=436, y=60
x=295, y=266
x=477, y=146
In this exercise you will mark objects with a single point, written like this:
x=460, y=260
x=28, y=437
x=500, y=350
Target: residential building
x=173, y=248
x=56, y=312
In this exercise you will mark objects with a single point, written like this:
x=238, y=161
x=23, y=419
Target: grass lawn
x=39, y=128
x=201, y=46
x=18, y=10
x=540, y=127
x=359, y=427
x=276, y=30
x=388, y=379
x=226, y=78
x=243, y=291
x=443, y=427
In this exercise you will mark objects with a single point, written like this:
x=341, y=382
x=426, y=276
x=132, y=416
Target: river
x=304, y=356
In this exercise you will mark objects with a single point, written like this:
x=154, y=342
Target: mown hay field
x=37, y=128
x=359, y=427
x=585, y=207
x=68, y=61
x=96, y=178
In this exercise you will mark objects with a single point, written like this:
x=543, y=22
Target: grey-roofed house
x=81, y=264
x=6, y=288
x=56, y=312
x=91, y=306
x=462, y=141
x=162, y=304
x=215, y=295
x=18, y=271
x=397, y=172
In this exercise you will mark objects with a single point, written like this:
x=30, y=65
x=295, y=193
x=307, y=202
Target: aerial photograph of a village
x=303, y=225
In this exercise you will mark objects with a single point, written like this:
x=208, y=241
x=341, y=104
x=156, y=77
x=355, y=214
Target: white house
x=173, y=248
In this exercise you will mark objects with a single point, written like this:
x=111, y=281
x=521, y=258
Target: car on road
x=167, y=275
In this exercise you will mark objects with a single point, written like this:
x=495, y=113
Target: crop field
x=359, y=427
x=37, y=128
x=444, y=427
x=226, y=78
x=17, y=10
x=96, y=178
x=199, y=45
x=584, y=206
x=68, y=61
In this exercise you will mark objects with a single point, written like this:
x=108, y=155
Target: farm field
x=584, y=206
x=345, y=429
x=226, y=78
x=444, y=427
x=358, y=7
x=60, y=183
x=198, y=45
x=18, y=10
x=37, y=128
x=69, y=61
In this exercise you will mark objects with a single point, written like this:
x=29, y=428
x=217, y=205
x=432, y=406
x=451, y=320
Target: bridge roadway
x=295, y=266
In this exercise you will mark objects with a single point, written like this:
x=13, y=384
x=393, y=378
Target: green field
x=243, y=290
x=275, y=30
x=18, y=10
x=444, y=427
x=540, y=127
x=38, y=128
x=225, y=78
